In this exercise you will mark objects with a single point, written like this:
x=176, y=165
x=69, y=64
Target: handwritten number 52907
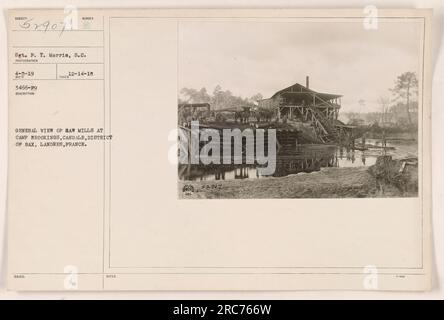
x=45, y=26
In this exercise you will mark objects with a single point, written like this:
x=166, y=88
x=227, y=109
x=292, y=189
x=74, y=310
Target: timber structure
x=300, y=103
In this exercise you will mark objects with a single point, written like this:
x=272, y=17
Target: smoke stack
x=307, y=82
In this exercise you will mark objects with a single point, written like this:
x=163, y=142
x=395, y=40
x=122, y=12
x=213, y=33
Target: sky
x=264, y=57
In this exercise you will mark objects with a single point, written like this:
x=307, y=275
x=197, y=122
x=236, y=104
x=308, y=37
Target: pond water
x=300, y=160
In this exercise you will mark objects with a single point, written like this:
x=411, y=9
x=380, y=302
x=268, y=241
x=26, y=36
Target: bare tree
x=195, y=96
x=256, y=97
x=219, y=99
x=406, y=87
x=361, y=102
x=384, y=103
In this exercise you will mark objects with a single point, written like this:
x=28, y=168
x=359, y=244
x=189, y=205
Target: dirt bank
x=327, y=183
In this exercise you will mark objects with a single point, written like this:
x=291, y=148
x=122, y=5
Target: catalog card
x=219, y=149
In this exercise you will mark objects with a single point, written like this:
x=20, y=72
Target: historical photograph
x=296, y=109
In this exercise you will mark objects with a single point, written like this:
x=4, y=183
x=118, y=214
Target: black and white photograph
x=299, y=109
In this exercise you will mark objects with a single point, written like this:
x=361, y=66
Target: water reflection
x=302, y=159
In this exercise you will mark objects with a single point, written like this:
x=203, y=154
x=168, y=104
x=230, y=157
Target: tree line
x=401, y=108
x=219, y=99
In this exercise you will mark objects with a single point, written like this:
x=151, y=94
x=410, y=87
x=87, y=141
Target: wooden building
x=298, y=102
